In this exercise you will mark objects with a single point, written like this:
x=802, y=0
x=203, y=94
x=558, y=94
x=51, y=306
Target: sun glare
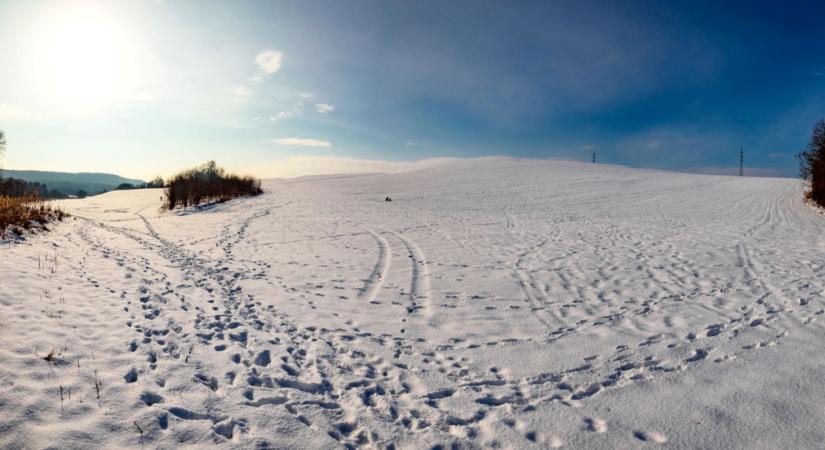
x=83, y=57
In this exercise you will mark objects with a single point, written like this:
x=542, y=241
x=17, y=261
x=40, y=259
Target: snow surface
x=493, y=303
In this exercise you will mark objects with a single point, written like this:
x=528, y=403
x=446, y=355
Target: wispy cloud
x=282, y=115
x=298, y=109
x=12, y=113
x=295, y=111
x=298, y=142
x=269, y=61
x=241, y=92
x=324, y=108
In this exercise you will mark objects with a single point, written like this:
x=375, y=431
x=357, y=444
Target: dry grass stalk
x=98, y=387
x=140, y=430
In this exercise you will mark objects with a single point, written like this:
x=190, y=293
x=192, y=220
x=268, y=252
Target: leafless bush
x=208, y=183
x=156, y=182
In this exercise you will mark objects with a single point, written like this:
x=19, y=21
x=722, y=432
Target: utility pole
x=741, y=161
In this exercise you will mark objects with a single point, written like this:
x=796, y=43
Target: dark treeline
x=157, y=182
x=15, y=187
x=812, y=163
x=12, y=187
x=208, y=183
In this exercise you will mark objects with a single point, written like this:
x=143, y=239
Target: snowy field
x=494, y=303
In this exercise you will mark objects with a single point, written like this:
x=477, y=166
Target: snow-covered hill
x=493, y=303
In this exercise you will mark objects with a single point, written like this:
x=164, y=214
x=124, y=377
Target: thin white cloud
x=296, y=111
x=324, y=108
x=298, y=142
x=241, y=92
x=12, y=113
x=269, y=61
x=282, y=115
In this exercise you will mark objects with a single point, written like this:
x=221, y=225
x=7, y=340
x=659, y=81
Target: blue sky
x=146, y=87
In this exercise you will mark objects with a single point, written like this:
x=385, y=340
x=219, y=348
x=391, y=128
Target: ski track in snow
x=494, y=303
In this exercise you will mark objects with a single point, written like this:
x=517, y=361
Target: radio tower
x=741, y=162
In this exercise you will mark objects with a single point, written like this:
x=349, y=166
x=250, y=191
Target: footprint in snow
x=650, y=436
x=596, y=424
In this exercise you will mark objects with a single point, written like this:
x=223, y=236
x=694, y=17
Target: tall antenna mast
x=741, y=162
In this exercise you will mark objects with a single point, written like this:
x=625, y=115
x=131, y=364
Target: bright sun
x=83, y=57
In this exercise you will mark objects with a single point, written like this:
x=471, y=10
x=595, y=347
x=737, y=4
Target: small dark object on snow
x=388, y=199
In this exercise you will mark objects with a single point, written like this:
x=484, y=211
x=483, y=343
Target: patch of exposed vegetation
x=19, y=215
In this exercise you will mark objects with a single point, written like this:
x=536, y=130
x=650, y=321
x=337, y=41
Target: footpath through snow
x=493, y=303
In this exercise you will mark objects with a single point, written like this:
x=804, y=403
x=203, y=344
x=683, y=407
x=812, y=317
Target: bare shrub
x=208, y=183
x=156, y=182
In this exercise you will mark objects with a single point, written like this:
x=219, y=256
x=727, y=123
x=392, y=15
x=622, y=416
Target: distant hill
x=71, y=183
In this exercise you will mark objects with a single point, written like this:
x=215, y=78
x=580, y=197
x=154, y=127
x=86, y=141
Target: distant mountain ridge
x=70, y=183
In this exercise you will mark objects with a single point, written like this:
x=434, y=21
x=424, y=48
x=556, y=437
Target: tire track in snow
x=529, y=286
x=373, y=284
x=419, y=275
